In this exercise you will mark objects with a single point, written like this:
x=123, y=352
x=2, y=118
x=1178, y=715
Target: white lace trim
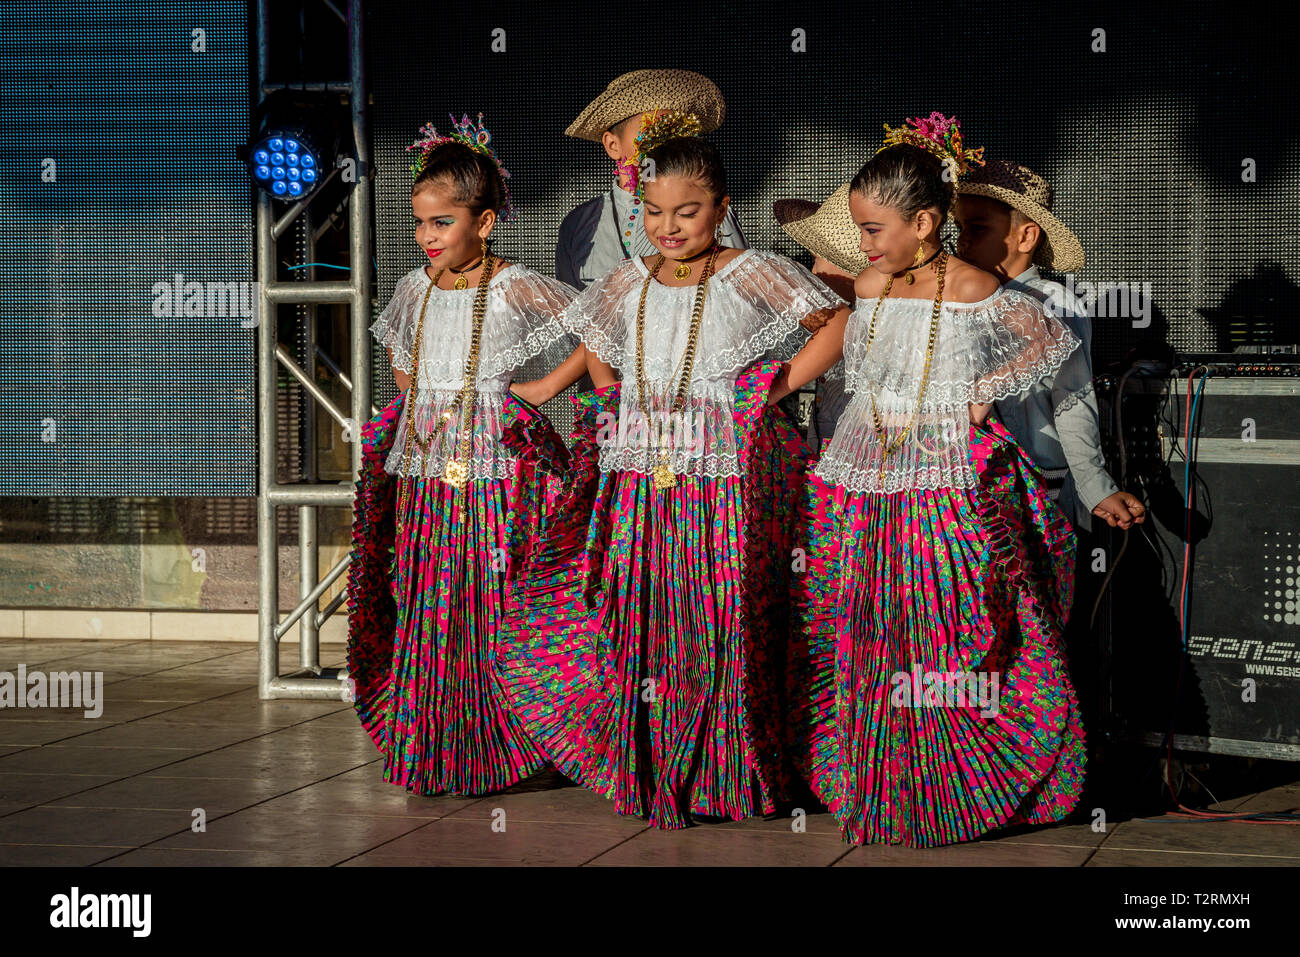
x=984, y=351
x=719, y=465
x=521, y=323
x=700, y=441
x=752, y=312
x=844, y=475
x=488, y=458
x=1074, y=398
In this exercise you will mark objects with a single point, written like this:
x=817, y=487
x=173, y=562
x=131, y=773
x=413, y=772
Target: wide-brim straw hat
x=827, y=230
x=643, y=91
x=1020, y=187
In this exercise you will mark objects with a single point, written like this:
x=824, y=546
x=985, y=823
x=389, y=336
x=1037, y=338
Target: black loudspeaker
x=1231, y=683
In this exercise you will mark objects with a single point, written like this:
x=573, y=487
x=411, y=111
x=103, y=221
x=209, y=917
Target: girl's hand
x=979, y=411
x=530, y=392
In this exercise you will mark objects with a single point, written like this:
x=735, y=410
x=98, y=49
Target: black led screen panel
x=118, y=173
x=1168, y=136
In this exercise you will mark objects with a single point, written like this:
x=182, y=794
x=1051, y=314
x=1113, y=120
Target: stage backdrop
x=1166, y=132
x=120, y=190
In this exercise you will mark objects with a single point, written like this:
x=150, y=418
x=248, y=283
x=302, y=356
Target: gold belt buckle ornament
x=664, y=476
x=456, y=472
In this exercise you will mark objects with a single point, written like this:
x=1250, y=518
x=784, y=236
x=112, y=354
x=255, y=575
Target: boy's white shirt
x=1057, y=420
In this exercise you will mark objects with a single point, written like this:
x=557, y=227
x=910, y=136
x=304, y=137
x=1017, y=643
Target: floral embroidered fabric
x=752, y=312
x=521, y=323
x=984, y=351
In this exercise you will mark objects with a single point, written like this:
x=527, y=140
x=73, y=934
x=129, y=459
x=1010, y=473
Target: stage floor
x=299, y=783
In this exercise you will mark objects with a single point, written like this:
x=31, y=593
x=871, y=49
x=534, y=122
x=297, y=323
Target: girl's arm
x=822, y=351
x=602, y=374
x=554, y=382
x=402, y=379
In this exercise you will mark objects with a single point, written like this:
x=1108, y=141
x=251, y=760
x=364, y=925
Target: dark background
x=1143, y=143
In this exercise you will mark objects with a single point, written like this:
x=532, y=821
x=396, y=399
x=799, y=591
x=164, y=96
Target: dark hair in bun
x=693, y=158
x=908, y=179
x=471, y=176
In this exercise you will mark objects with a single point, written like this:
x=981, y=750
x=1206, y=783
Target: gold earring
x=917, y=262
x=484, y=251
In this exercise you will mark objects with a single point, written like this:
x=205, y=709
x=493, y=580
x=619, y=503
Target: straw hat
x=644, y=90
x=827, y=230
x=1022, y=188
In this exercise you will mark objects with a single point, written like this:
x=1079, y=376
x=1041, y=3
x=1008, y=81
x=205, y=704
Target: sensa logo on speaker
x=1270, y=654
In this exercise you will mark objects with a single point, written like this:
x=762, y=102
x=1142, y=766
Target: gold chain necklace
x=888, y=448
x=456, y=471
x=664, y=477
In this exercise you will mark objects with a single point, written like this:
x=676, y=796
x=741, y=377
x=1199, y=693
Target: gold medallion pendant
x=460, y=283
x=907, y=278
x=664, y=477
x=682, y=271
x=456, y=472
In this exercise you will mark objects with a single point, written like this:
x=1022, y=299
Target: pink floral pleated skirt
x=932, y=703
x=646, y=648
x=427, y=599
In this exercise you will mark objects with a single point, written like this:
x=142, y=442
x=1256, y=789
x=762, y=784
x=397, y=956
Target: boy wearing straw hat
x=830, y=234
x=602, y=232
x=1004, y=212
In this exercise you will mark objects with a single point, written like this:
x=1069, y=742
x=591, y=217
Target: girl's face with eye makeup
x=450, y=235
x=681, y=216
x=890, y=241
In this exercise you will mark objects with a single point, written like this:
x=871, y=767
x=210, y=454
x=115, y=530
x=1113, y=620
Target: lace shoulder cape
x=984, y=351
x=753, y=310
x=522, y=320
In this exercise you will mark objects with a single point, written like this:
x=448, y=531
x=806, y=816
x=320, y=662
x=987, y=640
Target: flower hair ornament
x=657, y=126
x=476, y=137
x=941, y=136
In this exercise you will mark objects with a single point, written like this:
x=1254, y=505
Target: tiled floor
x=298, y=782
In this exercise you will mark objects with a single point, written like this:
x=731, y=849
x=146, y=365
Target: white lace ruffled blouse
x=752, y=311
x=521, y=321
x=984, y=351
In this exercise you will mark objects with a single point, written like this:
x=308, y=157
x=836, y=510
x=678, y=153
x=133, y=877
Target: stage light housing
x=293, y=147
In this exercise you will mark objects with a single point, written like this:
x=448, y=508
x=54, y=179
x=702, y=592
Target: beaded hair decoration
x=476, y=137
x=657, y=126
x=940, y=135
